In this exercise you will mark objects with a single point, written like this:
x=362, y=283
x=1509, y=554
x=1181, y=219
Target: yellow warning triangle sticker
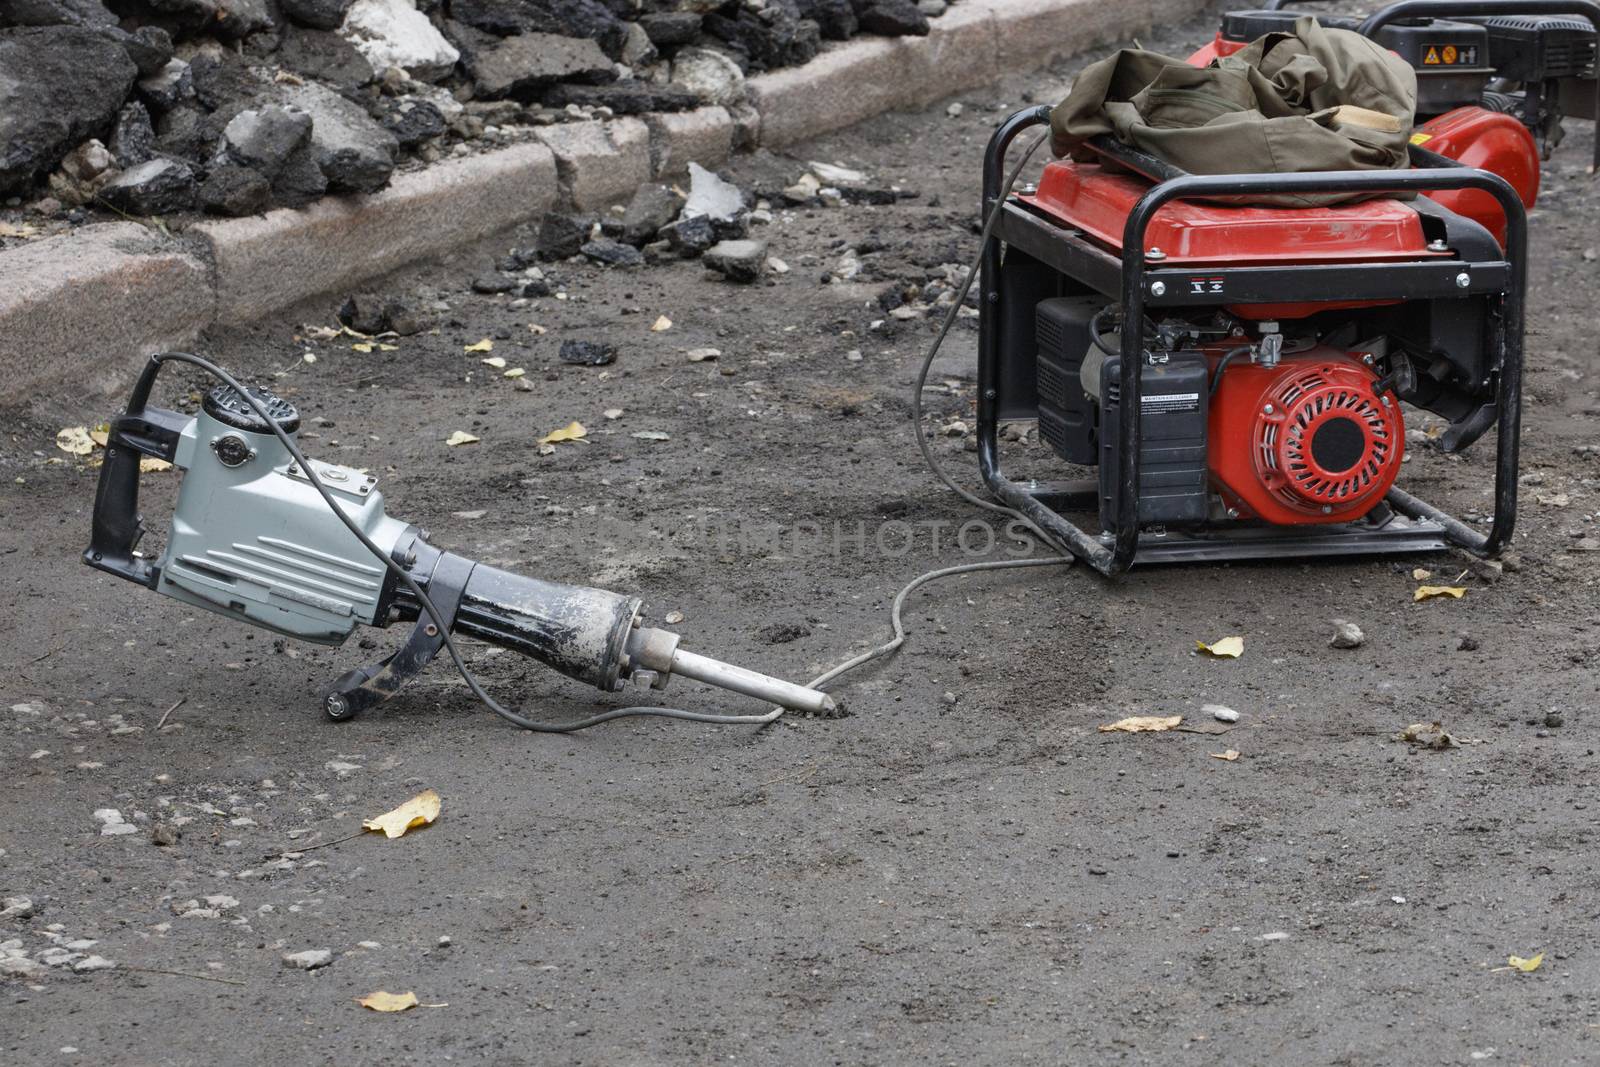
x=1432, y=58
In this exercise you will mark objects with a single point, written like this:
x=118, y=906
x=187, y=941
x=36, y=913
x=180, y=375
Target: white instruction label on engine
x=1164, y=403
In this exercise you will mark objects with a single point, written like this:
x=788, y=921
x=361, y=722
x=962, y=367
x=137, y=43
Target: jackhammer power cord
x=895, y=611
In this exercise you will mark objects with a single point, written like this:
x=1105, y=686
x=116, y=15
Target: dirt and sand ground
x=963, y=870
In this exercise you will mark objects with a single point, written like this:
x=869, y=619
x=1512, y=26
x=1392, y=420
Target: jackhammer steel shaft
x=750, y=683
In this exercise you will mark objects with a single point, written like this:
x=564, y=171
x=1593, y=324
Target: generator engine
x=1238, y=421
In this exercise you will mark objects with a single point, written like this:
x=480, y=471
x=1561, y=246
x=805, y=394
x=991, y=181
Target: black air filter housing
x=1532, y=48
x=1066, y=415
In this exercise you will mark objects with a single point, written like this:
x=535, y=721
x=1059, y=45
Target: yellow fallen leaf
x=23, y=231
x=1526, y=966
x=461, y=437
x=1421, y=574
x=152, y=465
x=101, y=434
x=497, y=362
x=1428, y=592
x=370, y=346
x=381, y=1001
x=484, y=345
x=75, y=440
x=661, y=325
x=514, y=372
x=572, y=431
x=1230, y=755
x=1140, y=724
x=1229, y=647
x=420, y=810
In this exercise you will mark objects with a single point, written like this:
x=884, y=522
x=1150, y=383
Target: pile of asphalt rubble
x=714, y=221
x=234, y=106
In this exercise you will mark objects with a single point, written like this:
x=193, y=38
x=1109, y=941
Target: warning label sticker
x=1450, y=55
x=1166, y=403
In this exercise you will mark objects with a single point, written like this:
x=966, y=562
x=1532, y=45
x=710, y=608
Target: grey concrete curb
x=86, y=307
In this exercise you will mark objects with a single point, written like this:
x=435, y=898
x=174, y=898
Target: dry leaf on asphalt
x=75, y=440
x=1428, y=592
x=484, y=345
x=374, y=346
x=1227, y=647
x=381, y=1001
x=8, y=229
x=320, y=333
x=661, y=325
x=701, y=355
x=461, y=437
x=1141, y=724
x=651, y=435
x=1421, y=574
x=612, y=413
x=1230, y=755
x=572, y=431
x=1434, y=735
x=152, y=465
x=674, y=617
x=497, y=362
x=420, y=810
x=514, y=372
x=1526, y=966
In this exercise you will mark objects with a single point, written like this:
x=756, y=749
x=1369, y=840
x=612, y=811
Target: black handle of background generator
x=1434, y=174
x=117, y=526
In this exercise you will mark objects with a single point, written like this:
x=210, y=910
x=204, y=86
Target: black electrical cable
x=1227, y=358
x=1097, y=335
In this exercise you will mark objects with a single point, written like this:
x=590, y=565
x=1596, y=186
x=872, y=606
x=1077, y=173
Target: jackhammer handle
x=117, y=525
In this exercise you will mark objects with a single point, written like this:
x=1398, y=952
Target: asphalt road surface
x=961, y=870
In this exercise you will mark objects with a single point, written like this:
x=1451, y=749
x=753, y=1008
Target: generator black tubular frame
x=1139, y=286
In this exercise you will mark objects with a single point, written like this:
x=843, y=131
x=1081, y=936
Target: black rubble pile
x=233, y=107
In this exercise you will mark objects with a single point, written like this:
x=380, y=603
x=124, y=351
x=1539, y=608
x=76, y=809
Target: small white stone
x=1347, y=635
x=1221, y=713
x=308, y=960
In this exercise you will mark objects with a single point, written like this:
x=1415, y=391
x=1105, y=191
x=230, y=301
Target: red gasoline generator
x=1237, y=373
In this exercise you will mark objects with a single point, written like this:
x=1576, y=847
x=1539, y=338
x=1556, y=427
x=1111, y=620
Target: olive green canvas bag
x=1316, y=99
